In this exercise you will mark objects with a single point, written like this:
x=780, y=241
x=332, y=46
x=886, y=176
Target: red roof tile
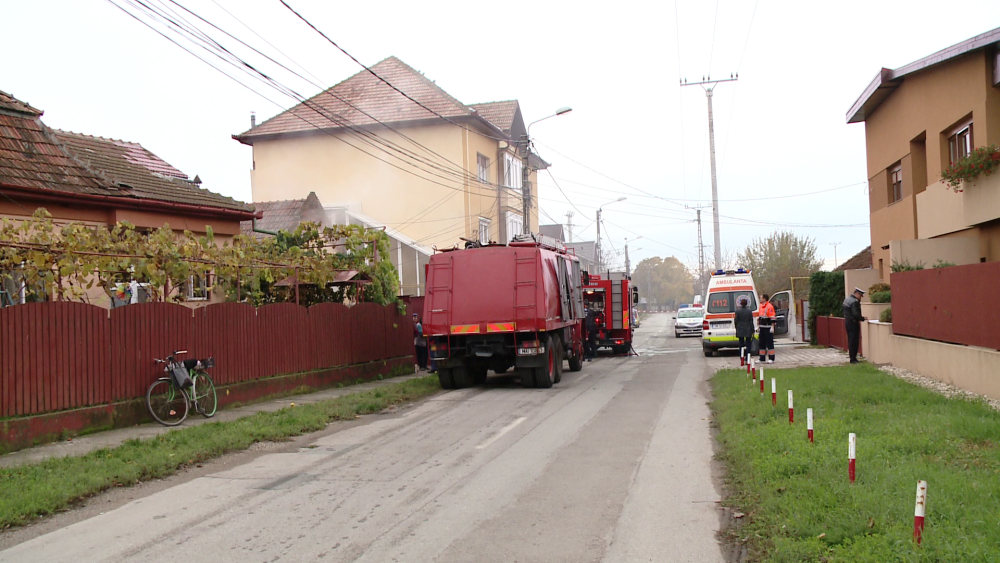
x=859, y=261
x=500, y=114
x=285, y=215
x=363, y=99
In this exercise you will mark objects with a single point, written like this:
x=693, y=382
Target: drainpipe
x=261, y=231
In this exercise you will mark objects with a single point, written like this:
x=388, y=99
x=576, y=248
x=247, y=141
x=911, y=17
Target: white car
x=689, y=321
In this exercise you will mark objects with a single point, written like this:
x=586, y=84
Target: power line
x=715, y=23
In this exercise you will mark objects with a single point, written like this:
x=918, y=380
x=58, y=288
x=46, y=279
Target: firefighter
x=590, y=340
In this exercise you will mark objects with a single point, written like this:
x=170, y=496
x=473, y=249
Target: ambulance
x=725, y=289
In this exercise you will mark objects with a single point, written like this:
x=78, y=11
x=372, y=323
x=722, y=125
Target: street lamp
x=628, y=265
x=525, y=173
x=597, y=244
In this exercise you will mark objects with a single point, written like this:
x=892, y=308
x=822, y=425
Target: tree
x=666, y=280
x=775, y=259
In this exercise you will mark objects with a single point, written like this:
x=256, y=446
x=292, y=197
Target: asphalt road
x=613, y=465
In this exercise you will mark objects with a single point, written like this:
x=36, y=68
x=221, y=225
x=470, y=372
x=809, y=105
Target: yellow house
x=393, y=146
x=919, y=119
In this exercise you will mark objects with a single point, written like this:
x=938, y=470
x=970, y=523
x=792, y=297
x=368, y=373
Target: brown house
x=99, y=182
x=919, y=119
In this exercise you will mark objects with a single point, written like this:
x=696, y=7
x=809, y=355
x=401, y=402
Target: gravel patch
x=941, y=387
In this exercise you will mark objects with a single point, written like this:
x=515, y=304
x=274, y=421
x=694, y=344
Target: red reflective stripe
x=500, y=327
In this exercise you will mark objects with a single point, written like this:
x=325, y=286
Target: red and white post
x=774, y=392
x=918, y=511
x=791, y=411
x=852, y=443
x=748, y=365
x=753, y=367
x=743, y=356
x=761, y=381
x=809, y=424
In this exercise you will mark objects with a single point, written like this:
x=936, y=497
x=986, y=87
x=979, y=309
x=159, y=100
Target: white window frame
x=189, y=288
x=483, y=166
x=960, y=142
x=484, y=230
x=895, y=183
x=515, y=225
x=512, y=171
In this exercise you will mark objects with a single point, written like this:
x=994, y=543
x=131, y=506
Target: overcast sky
x=780, y=130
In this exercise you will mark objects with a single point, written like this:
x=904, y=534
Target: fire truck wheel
x=445, y=378
x=557, y=349
x=462, y=376
x=575, y=362
x=545, y=375
x=479, y=374
x=527, y=376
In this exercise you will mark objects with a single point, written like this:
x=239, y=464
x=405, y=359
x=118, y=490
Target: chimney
x=253, y=119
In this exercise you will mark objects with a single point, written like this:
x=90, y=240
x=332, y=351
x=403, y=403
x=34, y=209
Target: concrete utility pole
x=597, y=243
x=569, y=226
x=709, y=90
x=835, y=263
x=525, y=172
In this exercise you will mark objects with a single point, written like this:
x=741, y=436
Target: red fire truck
x=612, y=299
x=496, y=307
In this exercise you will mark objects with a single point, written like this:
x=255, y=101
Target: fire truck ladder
x=525, y=286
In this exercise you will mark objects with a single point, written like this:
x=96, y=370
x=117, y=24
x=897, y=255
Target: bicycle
x=187, y=383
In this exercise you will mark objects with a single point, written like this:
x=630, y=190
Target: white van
x=725, y=290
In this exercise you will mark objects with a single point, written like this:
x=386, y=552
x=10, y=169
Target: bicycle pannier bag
x=181, y=376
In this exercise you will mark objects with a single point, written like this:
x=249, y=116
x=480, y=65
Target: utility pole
x=569, y=226
x=834, y=245
x=628, y=265
x=526, y=186
x=597, y=243
x=709, y=90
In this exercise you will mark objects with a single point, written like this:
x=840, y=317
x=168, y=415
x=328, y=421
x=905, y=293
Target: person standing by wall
x=744, y=326
x=420, y=342
x=852, y=322
x=765, y=319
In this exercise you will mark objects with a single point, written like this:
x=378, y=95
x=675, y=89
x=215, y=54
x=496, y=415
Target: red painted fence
x=57, y=356
x=830, y=331
x=958, y=304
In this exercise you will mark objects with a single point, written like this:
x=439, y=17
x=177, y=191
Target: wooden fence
x=957, y=304
x=58, y=355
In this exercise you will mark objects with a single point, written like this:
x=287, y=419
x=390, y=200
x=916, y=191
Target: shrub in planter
x=877, y=287
x=881, y=297
x=826, y=297
x=885, y=316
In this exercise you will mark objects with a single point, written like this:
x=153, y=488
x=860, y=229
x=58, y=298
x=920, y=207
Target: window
x=196, y=289
x=515, y=225
x=960, y=143
x=895, y=184
x=484, y=230
x=725, y=301
x=512, y=171
x=484, y=168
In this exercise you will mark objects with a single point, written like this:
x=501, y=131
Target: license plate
x=720, y=325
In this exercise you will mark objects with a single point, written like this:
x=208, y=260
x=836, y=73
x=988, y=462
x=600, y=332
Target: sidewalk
x=111, y=438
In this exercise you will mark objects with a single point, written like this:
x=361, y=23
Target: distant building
x=918, y=120
x=436, y=172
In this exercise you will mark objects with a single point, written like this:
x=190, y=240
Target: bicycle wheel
x=205, y=399
x=166, y=402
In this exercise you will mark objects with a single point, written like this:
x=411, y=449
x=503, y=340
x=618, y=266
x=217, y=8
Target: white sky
x=780, y=130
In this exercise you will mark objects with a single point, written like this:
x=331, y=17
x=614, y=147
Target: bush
x=878, y=286
x=826, y=297
x=886, y=316
x=942, y=264
x=905, y=266
x=881, y=297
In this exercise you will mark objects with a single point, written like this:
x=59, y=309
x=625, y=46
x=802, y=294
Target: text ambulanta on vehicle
x=725, y=290
x=496, y=307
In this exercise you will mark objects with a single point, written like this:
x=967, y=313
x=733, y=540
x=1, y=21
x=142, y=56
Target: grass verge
x=39, y=489
x=796, y=495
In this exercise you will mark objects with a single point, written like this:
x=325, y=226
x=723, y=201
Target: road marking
x=502, y=431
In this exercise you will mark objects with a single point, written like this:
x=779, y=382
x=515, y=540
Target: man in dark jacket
x=852, y=322
x=590, y=341
x=744, y=326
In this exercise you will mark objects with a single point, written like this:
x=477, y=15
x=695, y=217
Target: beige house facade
x=918, y=120
x=408, y=156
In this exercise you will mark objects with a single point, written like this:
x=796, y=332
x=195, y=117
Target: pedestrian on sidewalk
x=765, y=320
x=419, y=343
x=852, y=322
x=744, y=326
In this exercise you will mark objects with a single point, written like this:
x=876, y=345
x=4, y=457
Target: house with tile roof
x=394, y=146
x=100, y=182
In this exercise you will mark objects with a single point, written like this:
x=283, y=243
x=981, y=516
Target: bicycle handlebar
x=171, y=357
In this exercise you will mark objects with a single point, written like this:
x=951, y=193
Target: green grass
x=43, y=488
x=799, y=503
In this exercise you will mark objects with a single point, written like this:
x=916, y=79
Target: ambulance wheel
x=708, y=352
x=462, y=376
x=445, y=378
x=545, y=375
